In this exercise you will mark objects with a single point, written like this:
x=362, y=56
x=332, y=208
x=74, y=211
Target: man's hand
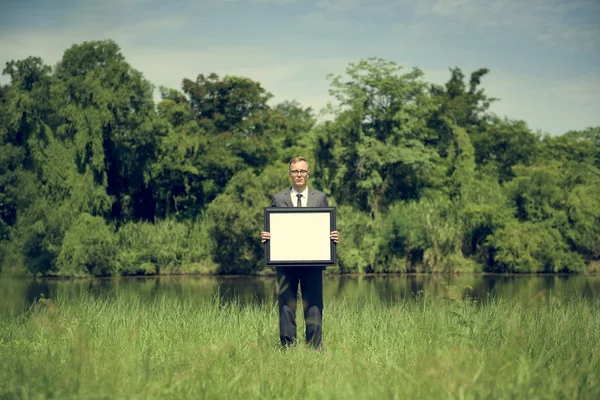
x=264, y=236
x=335, y=236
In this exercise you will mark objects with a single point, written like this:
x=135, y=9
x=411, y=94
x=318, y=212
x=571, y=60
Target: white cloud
x=274, y=1
x=552, y=22
x=447, y=7
x=172, y=43
x=337, y=5
x=550, y=106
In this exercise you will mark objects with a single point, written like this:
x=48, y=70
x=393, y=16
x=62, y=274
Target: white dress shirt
x=303, y=199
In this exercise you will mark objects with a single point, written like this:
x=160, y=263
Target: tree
x=375, y=150
x=297, y=123
x=299, y=120
x=241, y=130
x=233, y=104
x=29, y=117
x=576, y=158
x=462, y=114
x=86, y=131
x=464, y=107
x=176, y=176
x=109, y=116
x=504, y=144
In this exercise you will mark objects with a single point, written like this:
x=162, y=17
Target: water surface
x=19, y=294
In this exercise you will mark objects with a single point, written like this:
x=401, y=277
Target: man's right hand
x=264, y=236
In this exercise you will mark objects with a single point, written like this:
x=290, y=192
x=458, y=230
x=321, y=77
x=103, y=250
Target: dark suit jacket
x=315, y=199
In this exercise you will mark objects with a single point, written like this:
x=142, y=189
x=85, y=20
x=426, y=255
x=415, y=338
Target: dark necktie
x=299, y=203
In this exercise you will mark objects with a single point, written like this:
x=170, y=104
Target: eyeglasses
x=297, y=172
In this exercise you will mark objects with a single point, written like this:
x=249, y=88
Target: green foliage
x=462, y=110
x=566, y=215
x=486, y=208
x=375, y=150
x=163, y=247
x=296, y=123
x=583, y=212
x=109, y=117
x=424, y=177
x=464, y=107
x=461, y=161
x=532, y=247
x=578, y=147
x=504, y=144
x=235, y=219
x=537, y=192
x=176, y=175
x=10, y=160
x=570, y=192
x=425, y=236
x=27, y=106
x=89, y=247
x=236, y=108
x=360, y=249
x=234, y=103
x=57, y=201
x=299, y=120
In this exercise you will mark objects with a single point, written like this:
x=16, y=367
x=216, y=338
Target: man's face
x=299, y=174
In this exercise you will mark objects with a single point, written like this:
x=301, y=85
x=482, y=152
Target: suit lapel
x=287, y=198
x=311, y=198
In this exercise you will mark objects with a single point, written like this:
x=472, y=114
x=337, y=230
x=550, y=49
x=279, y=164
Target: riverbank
x=208, y=271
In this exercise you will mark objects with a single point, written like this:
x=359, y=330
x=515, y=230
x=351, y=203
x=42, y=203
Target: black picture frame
x=300, y=236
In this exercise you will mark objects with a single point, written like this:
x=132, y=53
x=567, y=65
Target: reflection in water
x=19, y=294
x=35, y=290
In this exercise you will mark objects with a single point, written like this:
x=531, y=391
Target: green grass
x=126, y=347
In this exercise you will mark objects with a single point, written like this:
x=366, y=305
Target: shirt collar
x=304, y=193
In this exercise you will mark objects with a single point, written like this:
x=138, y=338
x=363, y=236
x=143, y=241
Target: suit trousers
x=310, y=280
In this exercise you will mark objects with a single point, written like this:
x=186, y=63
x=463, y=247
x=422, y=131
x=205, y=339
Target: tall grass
x=129, y=347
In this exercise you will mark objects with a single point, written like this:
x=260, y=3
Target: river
x=19, y=294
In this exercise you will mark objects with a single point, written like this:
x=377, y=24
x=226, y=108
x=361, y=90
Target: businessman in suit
x=310, y=279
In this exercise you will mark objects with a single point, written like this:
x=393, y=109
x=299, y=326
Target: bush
x=235, y=219
x=165, y=247
x=486, y=209
x=359, y=249
x=89, y=247
x=39, y=235
x=425, y=236
x=583, y=210
x=532, y=247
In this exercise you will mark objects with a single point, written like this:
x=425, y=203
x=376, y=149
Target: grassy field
x=123, y=347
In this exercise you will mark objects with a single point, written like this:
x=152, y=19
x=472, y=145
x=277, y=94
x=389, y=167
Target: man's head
x=299, y=173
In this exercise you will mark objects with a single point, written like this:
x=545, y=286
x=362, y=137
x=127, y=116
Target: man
x=310, y=279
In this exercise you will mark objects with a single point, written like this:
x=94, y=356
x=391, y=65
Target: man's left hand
x=335, y=236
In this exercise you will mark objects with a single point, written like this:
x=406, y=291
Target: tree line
x=97, y=179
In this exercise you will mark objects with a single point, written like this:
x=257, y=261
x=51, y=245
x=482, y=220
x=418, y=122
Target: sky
x=543, y=55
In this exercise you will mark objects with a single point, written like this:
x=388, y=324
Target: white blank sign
x=301, y=237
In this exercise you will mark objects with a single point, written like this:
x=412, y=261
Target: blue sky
x=544, y=55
